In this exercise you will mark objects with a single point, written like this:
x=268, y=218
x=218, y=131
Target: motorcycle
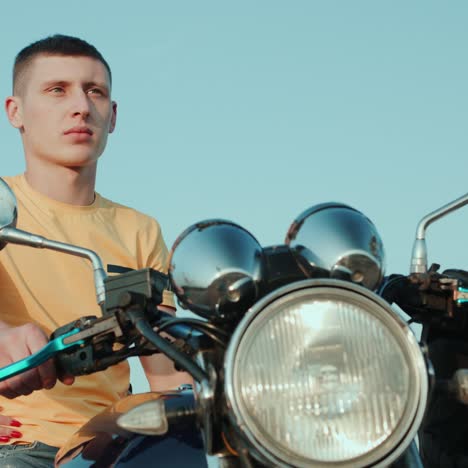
x=298, y=357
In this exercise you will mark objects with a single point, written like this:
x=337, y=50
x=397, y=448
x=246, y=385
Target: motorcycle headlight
x=324, y=372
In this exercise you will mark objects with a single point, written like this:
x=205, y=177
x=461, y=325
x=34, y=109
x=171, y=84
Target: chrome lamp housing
x=324, y=373
x=216, y=269
x=340, y=239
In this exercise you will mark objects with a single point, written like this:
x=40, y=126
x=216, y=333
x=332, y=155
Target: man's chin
x=73, y=158
x=81, y=164
x=77, y=161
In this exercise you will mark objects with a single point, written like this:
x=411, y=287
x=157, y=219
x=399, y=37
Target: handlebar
x=87, y=340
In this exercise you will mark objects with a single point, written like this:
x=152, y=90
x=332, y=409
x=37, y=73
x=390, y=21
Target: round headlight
x=216, y=269
x=324, y=372
x=340, y=239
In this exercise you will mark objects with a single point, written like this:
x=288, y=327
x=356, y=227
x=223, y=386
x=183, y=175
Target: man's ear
x=113, y=117
x=13, y=110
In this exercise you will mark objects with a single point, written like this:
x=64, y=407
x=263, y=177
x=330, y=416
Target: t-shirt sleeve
x=157, y=255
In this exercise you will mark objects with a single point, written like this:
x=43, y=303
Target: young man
x=62, y=107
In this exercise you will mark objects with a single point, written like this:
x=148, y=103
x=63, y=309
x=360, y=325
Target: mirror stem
x=419, y=254
x=17, y=236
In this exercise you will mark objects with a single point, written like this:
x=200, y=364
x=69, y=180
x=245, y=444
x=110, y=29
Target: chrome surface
x=8, y=209
x=17, y=236
x=10, y=234
x=419, y=253
x=216, y=269
x=398, y=441
x=340, y=239
x=205, y=397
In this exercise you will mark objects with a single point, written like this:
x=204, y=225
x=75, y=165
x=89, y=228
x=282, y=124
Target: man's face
x=64, y=110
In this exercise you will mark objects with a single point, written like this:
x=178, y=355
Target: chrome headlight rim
x=399, y=440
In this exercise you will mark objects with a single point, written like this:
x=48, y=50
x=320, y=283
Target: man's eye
x=56, y=90
x=95, y=91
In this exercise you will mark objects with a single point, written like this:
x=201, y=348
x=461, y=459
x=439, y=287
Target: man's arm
x=161, y=375
x=160, y=371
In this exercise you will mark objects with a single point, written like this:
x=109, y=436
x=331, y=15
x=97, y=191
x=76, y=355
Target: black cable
x=390, y=282
x=192, y=321
x=181, y=359
x=197, y=325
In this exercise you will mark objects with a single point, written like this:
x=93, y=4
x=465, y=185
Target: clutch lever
x=83, y=334
x=70, y=337
x=50, y=350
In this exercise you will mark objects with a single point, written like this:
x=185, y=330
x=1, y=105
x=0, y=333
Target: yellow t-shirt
x=52, y=289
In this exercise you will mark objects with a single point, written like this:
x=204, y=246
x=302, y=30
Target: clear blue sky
x=255, y=110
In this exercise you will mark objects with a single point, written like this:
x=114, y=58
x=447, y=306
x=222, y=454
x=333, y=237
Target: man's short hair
x=57, y=44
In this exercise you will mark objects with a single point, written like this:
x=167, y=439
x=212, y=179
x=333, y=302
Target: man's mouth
x=78, y=130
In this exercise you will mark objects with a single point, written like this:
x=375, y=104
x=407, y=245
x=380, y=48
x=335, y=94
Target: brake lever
x=461, y=295
x=50, y=350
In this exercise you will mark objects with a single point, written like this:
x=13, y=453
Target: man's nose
x=81, y=104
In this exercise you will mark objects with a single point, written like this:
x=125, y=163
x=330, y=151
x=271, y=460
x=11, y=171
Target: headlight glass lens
x=320, y=377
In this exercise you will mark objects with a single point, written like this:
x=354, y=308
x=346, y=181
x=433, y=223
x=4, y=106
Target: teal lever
x=462, y=296
x=52, y=348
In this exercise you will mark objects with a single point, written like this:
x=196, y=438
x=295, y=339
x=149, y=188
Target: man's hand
x=17, y=343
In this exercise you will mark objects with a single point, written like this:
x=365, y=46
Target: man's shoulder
x=14, y=182
x=11, y=180
x=127, y=213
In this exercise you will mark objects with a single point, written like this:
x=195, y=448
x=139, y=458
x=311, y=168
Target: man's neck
x=74, y=186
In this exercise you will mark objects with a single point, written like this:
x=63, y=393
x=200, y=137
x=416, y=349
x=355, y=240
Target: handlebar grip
x=50, y=350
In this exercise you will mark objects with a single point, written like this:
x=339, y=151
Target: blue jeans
x=34, y=455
